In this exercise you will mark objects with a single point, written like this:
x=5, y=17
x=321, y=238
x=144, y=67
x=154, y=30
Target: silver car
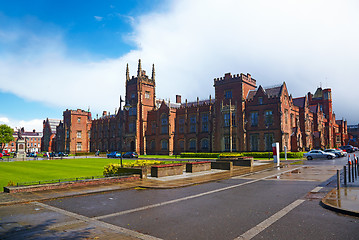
x=318, y=154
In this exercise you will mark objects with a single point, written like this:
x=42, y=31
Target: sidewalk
x=345, y=200
x=160, y=183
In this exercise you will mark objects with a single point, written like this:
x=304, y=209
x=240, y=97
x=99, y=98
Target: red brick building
x=49, y=132
x=73, y=133
x=33, y=141
x=240, y=118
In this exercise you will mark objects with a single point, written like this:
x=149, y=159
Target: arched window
x=164, y=144
x=192, y=145
x=205, y=144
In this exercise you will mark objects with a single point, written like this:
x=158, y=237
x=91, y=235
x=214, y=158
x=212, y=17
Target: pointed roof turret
x=127, y=73
x=153, y=72
x=139, y=70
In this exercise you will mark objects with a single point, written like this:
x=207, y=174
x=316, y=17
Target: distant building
x=32, y=139
x=49, y=132
x=73, y=133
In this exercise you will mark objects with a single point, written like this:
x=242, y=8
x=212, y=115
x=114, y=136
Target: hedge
x=237, y=154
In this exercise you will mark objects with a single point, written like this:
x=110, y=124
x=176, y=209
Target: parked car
x=337, y=153
x=114, y=155
x=32, y=154
x=62, y=154
x=318, y=154
x=130, y=155
x=347, y=148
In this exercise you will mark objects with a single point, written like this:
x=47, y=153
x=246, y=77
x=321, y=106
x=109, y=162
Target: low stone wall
x=198, y=166
x=88, y=182
x=223, y=165
x=166, y=170
x=238, y=161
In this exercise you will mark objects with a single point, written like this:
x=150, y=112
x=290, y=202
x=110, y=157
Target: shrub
x=199, y=155
x=115, y=168
x=11, y=183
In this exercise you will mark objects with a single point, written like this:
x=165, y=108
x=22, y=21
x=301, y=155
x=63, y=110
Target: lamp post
x=126, y=107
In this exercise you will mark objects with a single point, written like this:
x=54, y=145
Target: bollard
x=345, y=175
x=353, y=172
x=355, y=168
x=338, y=179
x=349, y=177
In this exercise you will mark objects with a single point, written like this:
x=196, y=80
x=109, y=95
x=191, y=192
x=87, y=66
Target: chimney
x=178, y=98
x=33, y=131
x=104, y=113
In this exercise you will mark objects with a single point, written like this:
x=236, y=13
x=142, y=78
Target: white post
x=285, y=152
x=275, y=148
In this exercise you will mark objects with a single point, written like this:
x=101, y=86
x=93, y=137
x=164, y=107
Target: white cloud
x=98, y=18
x=27, y=125
x=4, y=120
x=304, y=43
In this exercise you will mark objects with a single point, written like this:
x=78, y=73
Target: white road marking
x=189, y=197
x=269, y=221
x=317, y=189
x=98, y=223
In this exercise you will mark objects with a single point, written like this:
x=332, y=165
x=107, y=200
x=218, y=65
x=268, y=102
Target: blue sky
x=56, y=55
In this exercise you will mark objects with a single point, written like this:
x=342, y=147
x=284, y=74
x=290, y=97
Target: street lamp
x=126, y=107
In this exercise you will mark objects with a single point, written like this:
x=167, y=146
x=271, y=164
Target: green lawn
x=29, y=171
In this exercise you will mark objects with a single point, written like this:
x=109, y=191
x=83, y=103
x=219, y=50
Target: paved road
x=276, y=204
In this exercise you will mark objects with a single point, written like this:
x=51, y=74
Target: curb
x=331, y=207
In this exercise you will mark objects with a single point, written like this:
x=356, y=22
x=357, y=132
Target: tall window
x=147, y=94
x=286, y=116
x=268, y=117
x=192, y=144
x=78, y=119
x=254, y=142
x=78, y=146
x=205, y=122
x=227, y=143
x=192, y=120
x=132, y=127
x=181, y=144
x=254, y=119
x=79, y=133
x=268, y=140
x=228, y=94
x=164, y=124
x=233, y=119
x=164, y=144
x=226, y=119
x=181, y=125
x=132, y=111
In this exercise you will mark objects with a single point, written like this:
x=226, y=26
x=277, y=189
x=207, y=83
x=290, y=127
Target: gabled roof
x=274, y=91
x=199, y=102
x=251, y=94
x=299, y=102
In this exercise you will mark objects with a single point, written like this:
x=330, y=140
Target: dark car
x=62, y=154
x=130, y=155
x=337, y=153
x=114, y=155
x=348, y=148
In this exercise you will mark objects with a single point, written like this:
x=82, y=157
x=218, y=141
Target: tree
x=6, y=133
